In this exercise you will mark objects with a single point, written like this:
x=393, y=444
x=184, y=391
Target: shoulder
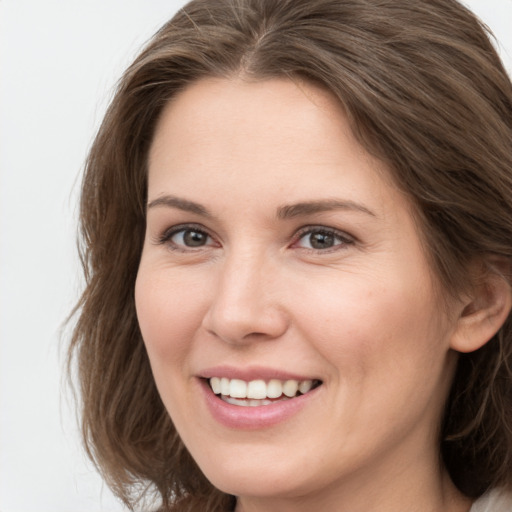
x=496, y=500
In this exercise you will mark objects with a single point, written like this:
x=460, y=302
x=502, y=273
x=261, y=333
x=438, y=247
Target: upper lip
x=252, y=373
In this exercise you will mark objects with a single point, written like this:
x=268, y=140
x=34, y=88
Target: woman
x=297, y=229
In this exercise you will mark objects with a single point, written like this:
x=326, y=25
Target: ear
x=484, y=312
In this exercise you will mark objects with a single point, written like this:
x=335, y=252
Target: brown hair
x=424, y=91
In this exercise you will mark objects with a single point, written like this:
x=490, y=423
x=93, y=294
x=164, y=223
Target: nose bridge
x=246, y=304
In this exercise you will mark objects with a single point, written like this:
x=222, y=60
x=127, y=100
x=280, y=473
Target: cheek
x=386, y=347
x=169, y=311
x=377, y=325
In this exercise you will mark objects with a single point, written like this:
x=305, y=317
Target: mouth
x=259, y=392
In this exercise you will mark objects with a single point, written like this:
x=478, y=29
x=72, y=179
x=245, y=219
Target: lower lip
x=253, y=418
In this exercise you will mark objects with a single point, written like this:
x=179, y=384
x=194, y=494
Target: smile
x=259, y=392
x=258, y=399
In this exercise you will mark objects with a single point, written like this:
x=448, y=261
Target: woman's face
x=280, y=258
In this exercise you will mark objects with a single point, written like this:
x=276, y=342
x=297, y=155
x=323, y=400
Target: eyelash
x=343, y=239
x=167, y=235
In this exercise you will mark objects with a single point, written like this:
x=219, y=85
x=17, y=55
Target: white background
x=59, y=62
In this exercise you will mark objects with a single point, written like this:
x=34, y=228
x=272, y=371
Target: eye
x=190, y=238
x=322, y=239
x=186, y=237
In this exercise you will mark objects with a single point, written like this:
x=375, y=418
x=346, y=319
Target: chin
x=268, y=473
x=257, y=483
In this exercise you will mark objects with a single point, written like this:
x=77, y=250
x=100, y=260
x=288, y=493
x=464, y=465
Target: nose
x=246, y=305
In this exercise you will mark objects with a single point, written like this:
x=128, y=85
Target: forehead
x=245, y=113
x=261, y=132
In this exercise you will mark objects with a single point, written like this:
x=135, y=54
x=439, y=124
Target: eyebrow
x=283, y=212
x=180, y=204
x=323, y=205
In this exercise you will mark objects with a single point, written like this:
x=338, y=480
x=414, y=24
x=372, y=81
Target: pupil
x=194, y=238
x=321, y=240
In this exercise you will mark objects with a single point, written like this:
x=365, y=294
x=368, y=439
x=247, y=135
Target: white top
x=493, y=501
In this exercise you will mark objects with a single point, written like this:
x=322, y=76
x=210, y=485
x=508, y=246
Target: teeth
x=257, y=391
x=215, y=384
x=224, y=386
x=290, y=388
x=238, y=388
x=274, y=388
x=247, y=403
x=305, y=386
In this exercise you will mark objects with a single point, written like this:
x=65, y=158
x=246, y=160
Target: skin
x=361, y=315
